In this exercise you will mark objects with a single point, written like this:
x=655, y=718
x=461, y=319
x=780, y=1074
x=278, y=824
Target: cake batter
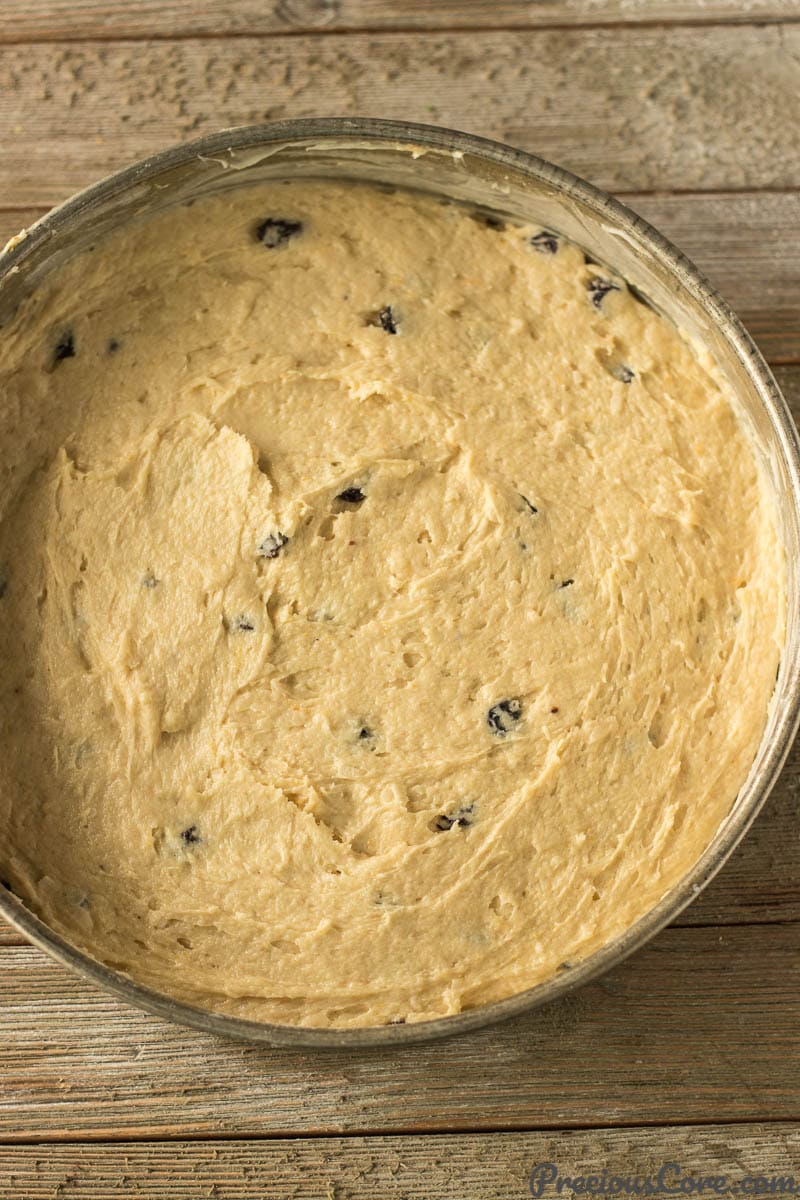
x=390, y=605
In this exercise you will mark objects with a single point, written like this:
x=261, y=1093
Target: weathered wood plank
x=748, y=245
x=49, y=19
x=631, y=108
x=702, y=1022
x=494, y=1166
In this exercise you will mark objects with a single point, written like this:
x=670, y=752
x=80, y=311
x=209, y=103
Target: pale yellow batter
x=390, y=605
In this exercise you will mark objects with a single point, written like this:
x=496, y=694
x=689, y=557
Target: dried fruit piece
x=276, y=231
x=504, y=716
x=352, y=495
x=462, y=817
x=599, y=289
x=64, y=347
x=272, y=545
x=545, y=242
x=113, y=346
x=243, y=624
x=565, y=583
x=385, y=319
x=190, y=836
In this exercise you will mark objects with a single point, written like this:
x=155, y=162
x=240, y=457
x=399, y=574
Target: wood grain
x=633, y=108
x=701, y=1022
x=749, y=247
x=49, y=19
x=479, y=1166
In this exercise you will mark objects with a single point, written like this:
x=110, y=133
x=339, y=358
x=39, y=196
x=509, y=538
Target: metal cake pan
x=491, y=176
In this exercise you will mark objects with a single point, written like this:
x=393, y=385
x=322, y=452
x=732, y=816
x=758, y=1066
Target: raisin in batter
x=391, y=605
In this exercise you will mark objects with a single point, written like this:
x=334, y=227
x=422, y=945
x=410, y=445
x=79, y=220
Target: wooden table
x=688, y=1052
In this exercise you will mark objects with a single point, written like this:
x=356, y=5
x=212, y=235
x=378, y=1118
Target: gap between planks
x=170, y=1138
x=48, y=19
x=396, y=30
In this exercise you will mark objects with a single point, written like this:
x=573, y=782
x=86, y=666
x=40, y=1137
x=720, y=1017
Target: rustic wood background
x=689, y=1052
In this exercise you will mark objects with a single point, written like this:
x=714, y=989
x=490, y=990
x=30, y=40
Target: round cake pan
x=488, y=176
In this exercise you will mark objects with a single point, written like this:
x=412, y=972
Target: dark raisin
x=272, y=545
x=503, y=717
x=384, y=319
x=113, y=346
x=622, y=373
x=190, y=836
x=599, y=288
x=462, y=817
x=554, y=710
x=545, y=242
x=276, y=231
x=64, y=347
x=243, y=624
x=530, y=507
x=352, y=495
x=565, y=583
x=366, y=737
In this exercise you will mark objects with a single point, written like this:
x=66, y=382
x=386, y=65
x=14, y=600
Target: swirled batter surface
x=390, y=605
